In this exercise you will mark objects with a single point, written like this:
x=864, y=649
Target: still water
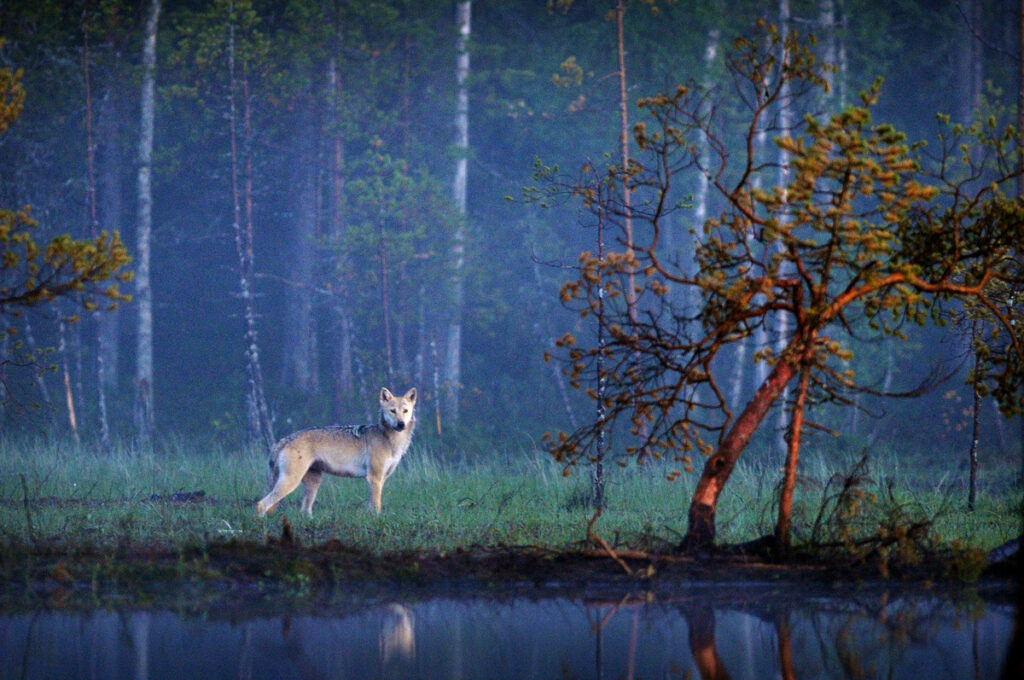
x=751, y=631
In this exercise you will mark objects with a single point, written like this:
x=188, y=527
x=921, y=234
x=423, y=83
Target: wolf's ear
x=385, y=395
x=411, y=395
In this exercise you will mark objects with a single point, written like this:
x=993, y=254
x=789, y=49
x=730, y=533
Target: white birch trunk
x=761, y=369
x=143, y=410
x=94, y=227
x=258, y=415
x=785, y=123
x=827, y=21
x=453, y=361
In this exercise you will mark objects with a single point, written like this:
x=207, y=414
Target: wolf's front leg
x=376, y=487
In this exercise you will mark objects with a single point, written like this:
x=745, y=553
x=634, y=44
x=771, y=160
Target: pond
x=697, y=631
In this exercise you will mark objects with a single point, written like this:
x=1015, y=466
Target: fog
x=344, y=122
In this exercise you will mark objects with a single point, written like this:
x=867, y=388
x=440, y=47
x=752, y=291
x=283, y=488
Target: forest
x=320, y=198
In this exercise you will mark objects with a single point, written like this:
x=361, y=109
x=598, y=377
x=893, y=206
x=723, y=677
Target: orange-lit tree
x=868, y=234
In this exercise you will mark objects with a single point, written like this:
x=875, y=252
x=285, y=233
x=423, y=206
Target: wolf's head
x=397, y=412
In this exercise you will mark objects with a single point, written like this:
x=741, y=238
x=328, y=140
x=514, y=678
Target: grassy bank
x=66, y=498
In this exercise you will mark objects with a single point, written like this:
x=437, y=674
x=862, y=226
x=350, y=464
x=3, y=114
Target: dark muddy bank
x=238, y=572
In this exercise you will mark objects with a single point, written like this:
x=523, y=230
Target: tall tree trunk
x=827, y=23
x=110, y=165
x=700, y=533
x=300, y=364
x=627, y=207
x=40, y=375
x=785, y=122
x=341, y=347
x=761, y=338
x=1020, y=169
x=796, y=425
x=975, y=422
x=258, y=415
x=144, y=410
x=94, y=229
x=597, y=475
x=545, y=335
x=969, y=60
x=453, y=362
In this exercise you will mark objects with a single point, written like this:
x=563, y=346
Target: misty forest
x=660, y=232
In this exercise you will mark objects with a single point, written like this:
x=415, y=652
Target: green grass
x=63, y=498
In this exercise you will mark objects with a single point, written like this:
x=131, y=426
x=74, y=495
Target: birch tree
x=94, y=228
x=240, y=49
x=453, y=359
x=144, y=408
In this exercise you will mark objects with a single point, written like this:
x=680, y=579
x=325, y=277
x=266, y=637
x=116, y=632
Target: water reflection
x=750, y=635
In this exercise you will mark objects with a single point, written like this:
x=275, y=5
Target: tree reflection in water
x=757, y=632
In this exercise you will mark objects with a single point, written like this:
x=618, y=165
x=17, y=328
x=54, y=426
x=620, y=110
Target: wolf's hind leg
x=310, y=485
x=288, y=478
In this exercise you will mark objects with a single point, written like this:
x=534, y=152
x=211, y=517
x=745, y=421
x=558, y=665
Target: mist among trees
x=323, y=198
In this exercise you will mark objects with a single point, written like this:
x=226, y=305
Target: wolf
x=370, y=451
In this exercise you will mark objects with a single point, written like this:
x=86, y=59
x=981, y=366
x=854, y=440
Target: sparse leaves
x=866, y=227
x=33, y=274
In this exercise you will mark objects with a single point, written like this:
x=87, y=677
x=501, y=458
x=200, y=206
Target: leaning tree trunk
x=143, y=410
x=796, y=426
x=453, y=362
x=700, y=533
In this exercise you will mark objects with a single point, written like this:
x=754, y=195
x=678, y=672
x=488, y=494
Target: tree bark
x=258, y=415
x=1020, y=166
x=975, y=423
x=969, y=60
x=69, y=398
x=299, y=368
x=94, y=228
x=453, y=360
x=796, y=425
x=620, y=12
x=103, y=335
x=143, y=410
x=700, y=534
x=110, y=166
x=341, y=349
x=785, y=122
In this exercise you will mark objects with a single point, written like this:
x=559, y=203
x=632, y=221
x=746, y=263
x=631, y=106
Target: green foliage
x=34, y=274
x=393, y=81
x=867, y=234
